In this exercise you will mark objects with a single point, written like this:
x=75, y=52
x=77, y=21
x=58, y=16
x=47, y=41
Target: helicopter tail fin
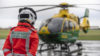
x=86, y=13
x=85, y=23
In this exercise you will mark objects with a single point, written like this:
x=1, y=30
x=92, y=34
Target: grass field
x=91, y=35
x=4, y=33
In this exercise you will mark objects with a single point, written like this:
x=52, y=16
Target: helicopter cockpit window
x=45, y=23
x=70, y=25
x=55, y=25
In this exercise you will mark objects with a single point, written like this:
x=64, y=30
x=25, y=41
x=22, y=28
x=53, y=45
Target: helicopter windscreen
x=56, y=24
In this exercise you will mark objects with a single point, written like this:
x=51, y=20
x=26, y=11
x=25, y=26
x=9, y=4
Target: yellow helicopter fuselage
x=66, y=32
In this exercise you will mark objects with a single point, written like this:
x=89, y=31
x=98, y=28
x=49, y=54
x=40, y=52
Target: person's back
x=22, y=39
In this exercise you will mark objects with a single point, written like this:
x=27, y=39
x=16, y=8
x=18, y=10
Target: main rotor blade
x=88, y=8
x=54, y=6
x=26, y=6
x=61, y=6
x=85, y=4
x=43, y=6
x=47, y=8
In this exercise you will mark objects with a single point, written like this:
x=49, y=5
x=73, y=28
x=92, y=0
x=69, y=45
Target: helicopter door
x=65, y=28
x=72, y=26
x=68, y=26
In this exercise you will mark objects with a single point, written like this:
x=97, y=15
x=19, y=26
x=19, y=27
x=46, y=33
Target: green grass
x=4, y=33
x=91, y=35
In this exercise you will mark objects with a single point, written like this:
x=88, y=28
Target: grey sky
x=8, y=17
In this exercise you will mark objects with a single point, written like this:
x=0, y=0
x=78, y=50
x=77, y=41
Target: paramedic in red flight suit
x=22, y=39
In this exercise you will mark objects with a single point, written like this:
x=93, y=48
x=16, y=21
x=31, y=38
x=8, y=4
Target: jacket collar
x=24, y=24
x=27, y=25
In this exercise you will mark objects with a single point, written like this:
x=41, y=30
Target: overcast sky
x=8, y=17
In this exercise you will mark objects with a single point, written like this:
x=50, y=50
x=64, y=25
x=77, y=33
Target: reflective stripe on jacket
x=21, y=41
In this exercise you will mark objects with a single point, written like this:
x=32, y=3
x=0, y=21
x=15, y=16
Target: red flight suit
x=22, y=41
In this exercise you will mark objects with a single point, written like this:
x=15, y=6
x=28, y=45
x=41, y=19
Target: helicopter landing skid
x=59, y=49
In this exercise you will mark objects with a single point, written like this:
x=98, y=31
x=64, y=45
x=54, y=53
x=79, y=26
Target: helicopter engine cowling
x=85, y=25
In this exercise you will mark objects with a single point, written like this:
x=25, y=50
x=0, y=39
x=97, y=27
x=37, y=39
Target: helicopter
x=61, y=31
x=64, y=26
